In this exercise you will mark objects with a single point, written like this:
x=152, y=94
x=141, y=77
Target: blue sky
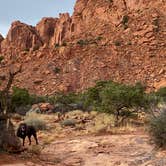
x=31, y=11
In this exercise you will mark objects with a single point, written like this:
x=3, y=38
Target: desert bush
x=82, y=42
x=35, y=149
x=115, y=98
x=57, y=45
x=162, y=93
x=99, y=38
x=157, y=129
x=68, y=122
x=117, y=43
x=20, y=97
x=56, y=70
x=35, y=120
x=64, y=44
x=66, y=99
x=125, y=20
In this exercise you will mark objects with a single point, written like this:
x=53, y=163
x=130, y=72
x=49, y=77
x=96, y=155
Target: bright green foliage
x=115, y=98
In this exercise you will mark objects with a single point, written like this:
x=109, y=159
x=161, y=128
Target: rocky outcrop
x=62, y=30
x=22, y=36
x=46, y=29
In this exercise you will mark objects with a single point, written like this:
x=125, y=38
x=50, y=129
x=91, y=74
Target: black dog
x=25, y=130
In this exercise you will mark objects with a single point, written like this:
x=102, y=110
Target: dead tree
x=4, y=94
x=8, y=140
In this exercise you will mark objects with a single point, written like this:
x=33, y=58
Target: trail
x=107, y=150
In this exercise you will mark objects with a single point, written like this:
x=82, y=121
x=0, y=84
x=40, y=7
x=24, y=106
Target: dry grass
x=35, y=120
x=35, y=149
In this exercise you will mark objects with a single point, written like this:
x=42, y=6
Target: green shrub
x=35, y=120
x=56, y=70
x=34, y=99
x=125, y=20
x=64, y=44
x=115, y=98
x=162, y=93
x=56, y=45
x=99, y=38
x=69, y=122
x=117, y=43
x=157, y=129
x=66, y=98
x=82, y=42
x=20, y=97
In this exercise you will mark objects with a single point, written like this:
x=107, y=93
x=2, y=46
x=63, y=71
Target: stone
x=22, y=36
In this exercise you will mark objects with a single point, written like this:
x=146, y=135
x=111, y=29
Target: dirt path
x=108, y=150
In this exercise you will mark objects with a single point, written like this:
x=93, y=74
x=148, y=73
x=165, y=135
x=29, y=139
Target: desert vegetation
x=119, y=103
x=106, y=108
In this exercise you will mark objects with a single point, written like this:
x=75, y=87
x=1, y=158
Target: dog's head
x=23, y=127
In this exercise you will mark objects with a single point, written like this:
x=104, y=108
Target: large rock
x=62, y=31
x=22, y=36
x=46, y=28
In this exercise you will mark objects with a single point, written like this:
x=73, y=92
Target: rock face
x=22, y=36
x=54, y=31
x=62, y=30
x=46, y=28
x=122, y=40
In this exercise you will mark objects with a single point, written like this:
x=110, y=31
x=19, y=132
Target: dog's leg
x=29, y=137
x=23, y=141
x=35, y=136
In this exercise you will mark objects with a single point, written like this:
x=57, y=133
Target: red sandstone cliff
x=122, y=40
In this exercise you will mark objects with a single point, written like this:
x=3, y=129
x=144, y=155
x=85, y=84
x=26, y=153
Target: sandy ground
x=107, y=150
